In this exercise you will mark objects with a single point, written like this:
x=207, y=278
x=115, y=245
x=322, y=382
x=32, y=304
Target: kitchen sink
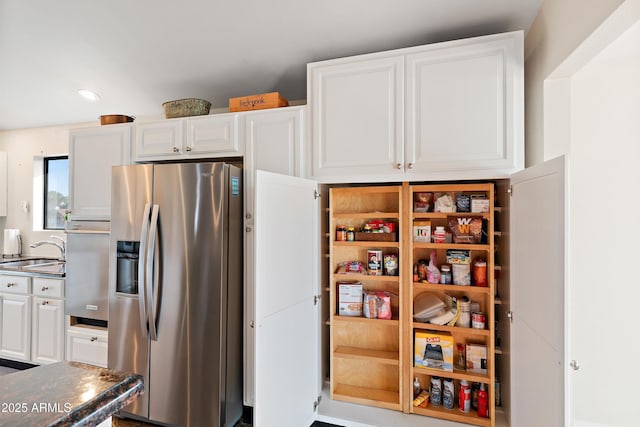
x=35, y=265
x=26, y=262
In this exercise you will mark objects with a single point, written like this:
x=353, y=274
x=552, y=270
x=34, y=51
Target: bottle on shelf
x=483, y=402
x=351, y=234
x=464, y=397
x=416, y=387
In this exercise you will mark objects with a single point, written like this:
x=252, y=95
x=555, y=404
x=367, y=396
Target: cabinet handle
x=248, y=229
x=10, y=284
x=94, y=339
x=574, y=365
x=188, y=148
x=399, y=165
x=45, y=302
x=45, y=288
x=409, y=165
x=175, y=149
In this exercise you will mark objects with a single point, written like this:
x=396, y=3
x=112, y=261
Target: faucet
x=62, y=246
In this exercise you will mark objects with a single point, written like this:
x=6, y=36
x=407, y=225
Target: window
x=56, y=191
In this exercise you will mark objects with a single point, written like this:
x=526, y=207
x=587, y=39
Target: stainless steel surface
x=88, y=269
x=60, y=244
x=131, y=188
x=189, y=294
x=35, y=266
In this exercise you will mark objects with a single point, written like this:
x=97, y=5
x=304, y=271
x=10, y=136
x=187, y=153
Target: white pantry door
x=287, y=322
x=537, y=236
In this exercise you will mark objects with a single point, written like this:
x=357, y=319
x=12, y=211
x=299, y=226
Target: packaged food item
x=476, y=358
x=384, y=305
x=478, y=320
x=377, y=305
x=463, y=203
x=445, y=274
x=465, y=229
x=422, y=231
x=458, y=256
x=422, y=202
x=370, y=305
x=374, y=262
x=444, y=203
x=351, y=234
x=391, y=264
x=461, y=274
x=350, y=267
x=433, y=273
x=439, y=235
x=480, y=272
x=433, y=349
x=341, y=233
x=349, y=298
x=479, y=204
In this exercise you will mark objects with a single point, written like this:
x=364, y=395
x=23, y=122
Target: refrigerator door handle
x=151, y=283
x=142, y=280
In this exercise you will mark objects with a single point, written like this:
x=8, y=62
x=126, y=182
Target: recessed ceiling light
x=87, y=94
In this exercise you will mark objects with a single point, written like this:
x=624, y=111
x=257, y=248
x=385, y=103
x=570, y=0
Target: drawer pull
x=399, y=166
x=176, y=149
x=45, y=302
x=45, y=288
x=10, y=285
x=188, y=149
x=94, y=339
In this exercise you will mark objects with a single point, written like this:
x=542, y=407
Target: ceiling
x=138, y=54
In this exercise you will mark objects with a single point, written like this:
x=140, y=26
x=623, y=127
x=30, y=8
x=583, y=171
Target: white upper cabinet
x=451, y=110
x=357, y=116
x=92, y=153
x=215, y=135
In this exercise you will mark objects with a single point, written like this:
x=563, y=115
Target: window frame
x=45, y=189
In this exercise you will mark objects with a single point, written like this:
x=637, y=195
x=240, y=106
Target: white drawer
x=52, y=288
x=15, y=284
x=87, y=346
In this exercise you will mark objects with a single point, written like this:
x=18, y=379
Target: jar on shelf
x=341, y=233
x=480, y=272
x=351, y=234
x=445, y=274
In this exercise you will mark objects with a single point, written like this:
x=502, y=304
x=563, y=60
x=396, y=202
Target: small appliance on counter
x=12, y=243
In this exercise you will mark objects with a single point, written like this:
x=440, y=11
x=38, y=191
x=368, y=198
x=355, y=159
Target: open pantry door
x=537, y=236
x=287, y=326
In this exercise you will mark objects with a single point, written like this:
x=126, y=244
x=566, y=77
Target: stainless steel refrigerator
x=175, y=290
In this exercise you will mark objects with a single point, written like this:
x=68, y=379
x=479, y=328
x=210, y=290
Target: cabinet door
x=464, y=107
x=47, y=330
x=214, y=135
x=92, y=153
x=287, y=322
x=273, y=141
x=159, y=140
x=15, y=327
x=537, y=294
x=357, y=123
x=87, y=347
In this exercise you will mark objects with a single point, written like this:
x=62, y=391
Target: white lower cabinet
x=47, y=334
x=87, y=345
x=15, y=331
x=32, y=319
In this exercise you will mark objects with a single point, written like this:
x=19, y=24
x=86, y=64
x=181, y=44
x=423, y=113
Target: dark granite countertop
x=65, y=394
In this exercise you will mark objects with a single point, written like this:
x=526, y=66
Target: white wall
x=21, y=147
x=560, y=27
x=605, y=130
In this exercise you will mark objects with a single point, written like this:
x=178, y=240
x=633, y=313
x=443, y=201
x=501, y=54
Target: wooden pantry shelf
x=463, y=246
x=358, y=319
x=452, y=415
x=367, y=243
x=367, y=396
x=455, y=288
x=367, y=355
x=455, y=374
x=366, y=215
x=444, y=215
x=347, y=277
x=452, y=329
